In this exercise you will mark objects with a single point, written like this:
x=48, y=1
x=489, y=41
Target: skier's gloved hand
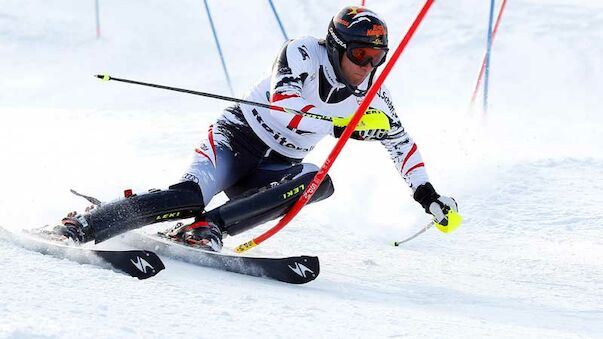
x=435, y=204
x=373, y=125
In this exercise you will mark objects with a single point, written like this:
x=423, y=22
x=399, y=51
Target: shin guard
x=179, y=201
x=265, y=204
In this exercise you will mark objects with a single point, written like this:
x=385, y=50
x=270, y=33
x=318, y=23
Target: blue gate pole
x=488, y=52
x=97, y=19
x=213, y=29
x=278, y=19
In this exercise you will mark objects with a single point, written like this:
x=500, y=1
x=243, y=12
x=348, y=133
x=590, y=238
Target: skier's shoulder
x=308, y=41
x=307, y=47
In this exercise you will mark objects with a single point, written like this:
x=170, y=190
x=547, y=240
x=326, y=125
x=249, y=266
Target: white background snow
x=528, y=177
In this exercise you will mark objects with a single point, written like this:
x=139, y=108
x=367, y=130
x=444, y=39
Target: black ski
x=137, y=263
x=293, y=270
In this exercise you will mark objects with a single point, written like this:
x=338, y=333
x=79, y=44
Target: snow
x=528, y=177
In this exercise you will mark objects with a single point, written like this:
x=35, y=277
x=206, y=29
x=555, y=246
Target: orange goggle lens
x=363, y=55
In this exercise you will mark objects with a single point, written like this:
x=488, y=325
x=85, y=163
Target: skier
x=255, y=155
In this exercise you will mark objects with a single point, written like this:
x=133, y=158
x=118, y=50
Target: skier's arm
x=295, y=63
x=409, y=163
x=405, y=155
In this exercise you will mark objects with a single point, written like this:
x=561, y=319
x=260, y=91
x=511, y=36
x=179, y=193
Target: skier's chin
x=357, y=79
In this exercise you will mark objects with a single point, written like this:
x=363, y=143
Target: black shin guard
x=268, y=203
x=183, y=200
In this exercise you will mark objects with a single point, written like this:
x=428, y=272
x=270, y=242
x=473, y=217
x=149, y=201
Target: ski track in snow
x=528, y=179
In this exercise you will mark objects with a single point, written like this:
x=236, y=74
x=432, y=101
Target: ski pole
x=453, y=222
x=421, y=231
x=107, y=77
x=322, y=172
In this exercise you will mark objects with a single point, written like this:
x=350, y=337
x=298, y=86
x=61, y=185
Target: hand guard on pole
x=373, y=125
x=443, y=209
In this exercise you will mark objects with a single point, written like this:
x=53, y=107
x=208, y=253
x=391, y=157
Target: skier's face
x=353, y=73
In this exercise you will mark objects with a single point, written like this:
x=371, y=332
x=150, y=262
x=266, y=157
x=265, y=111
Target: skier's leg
x=247, y=151
x=183, y=200
x=211, y=170
x=270, y=191
x=217, y=163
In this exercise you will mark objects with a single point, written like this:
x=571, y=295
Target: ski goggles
x=362, y=55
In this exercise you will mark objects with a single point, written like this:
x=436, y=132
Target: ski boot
x=74, y=227
x=201, y=234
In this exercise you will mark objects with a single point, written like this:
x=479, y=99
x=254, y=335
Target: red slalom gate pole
x=319, y=177
x=481, y=71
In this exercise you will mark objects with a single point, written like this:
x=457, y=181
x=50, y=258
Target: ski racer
x=255, y=155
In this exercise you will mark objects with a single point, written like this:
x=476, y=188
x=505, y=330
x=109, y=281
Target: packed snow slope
x=528, y=176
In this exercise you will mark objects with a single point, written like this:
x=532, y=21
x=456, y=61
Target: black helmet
x=354, y=29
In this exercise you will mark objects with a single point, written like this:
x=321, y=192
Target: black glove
x=435, y=204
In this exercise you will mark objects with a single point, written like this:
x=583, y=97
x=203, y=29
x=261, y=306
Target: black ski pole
x=107, y=77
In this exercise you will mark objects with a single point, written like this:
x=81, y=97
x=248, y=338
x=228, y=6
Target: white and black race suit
x=252, y=146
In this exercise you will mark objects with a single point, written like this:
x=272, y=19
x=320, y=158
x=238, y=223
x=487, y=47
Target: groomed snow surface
x=526, y=263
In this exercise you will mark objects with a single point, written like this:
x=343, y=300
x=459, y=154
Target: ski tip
x=301, y=270
x=140, y=264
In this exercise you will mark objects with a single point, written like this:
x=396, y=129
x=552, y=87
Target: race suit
x=251, y=147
